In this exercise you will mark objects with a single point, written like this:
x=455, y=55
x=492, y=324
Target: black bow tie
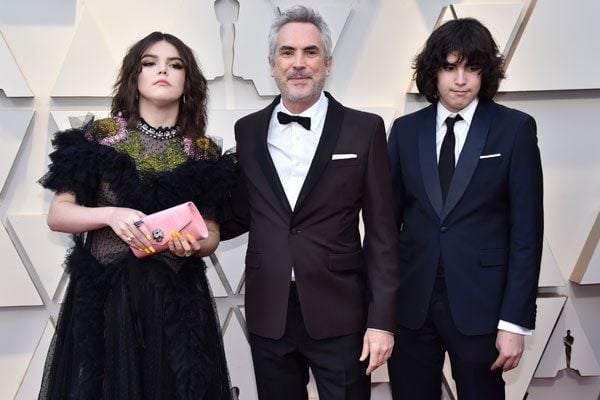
x=285, y=119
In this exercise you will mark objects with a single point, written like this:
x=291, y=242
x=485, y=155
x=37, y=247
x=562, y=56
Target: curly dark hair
x=192, y=115
x=472, y=41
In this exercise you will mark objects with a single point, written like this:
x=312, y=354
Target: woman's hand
x=183, y=245
x=127, y=224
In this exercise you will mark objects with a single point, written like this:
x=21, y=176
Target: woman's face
x=161, y=81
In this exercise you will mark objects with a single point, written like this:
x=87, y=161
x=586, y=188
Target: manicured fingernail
x=148, y=237
x=190, y=237
x=147, y=251
x=178, y=235
x=152, y=249
x=173, y=236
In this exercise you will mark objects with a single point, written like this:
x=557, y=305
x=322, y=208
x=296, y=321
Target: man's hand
x=377, y=345
x=510, y=346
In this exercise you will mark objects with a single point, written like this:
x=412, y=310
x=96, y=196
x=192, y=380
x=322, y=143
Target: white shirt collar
x=315, y=112
x=466, y=113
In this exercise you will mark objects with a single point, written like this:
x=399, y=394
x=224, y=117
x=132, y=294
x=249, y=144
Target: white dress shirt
x=461, y=129
x=292, y=147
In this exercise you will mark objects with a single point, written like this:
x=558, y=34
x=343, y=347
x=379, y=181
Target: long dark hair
x=468, y=38
x=192, y=115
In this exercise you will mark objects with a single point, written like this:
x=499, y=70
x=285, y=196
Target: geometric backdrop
x=58, y=61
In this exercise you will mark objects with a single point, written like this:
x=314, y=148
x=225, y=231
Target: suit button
x=296, y=231
x=444, y=229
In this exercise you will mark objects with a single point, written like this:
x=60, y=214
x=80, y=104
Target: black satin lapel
x=469, y=156
x=331, y=131
x=264, y=157
x=428, y=160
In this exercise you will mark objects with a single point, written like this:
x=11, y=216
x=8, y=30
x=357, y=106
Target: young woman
x=139, y=328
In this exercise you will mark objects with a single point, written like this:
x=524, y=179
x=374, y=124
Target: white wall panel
x=71, y=50
x=45, y=250
x=12, y=81
x=13, y=127
x=16, y=288
x=556, y=50
x=89, y=68
x=20, y=332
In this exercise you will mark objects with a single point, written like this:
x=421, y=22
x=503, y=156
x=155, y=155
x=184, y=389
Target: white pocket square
x=490, y=155
x=343, y=156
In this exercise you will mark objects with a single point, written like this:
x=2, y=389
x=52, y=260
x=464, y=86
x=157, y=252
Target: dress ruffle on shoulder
x=79, y=164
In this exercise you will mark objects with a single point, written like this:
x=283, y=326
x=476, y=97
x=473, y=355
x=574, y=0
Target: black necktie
x=285, y=119
x=447, y=160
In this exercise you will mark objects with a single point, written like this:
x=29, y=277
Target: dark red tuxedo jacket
x=343, y=286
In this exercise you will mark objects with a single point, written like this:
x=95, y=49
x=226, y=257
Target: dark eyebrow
x=313, y=47
x=168, y=59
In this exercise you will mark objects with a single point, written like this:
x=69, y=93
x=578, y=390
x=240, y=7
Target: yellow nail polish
x=173, y=235
x=148, y=237
x=178, y=235
x=152, y=249
x=147, y=251
x=190, y=237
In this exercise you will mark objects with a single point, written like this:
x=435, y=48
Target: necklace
x=159, y=133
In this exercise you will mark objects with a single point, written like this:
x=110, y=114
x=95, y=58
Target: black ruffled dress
x=136, y=329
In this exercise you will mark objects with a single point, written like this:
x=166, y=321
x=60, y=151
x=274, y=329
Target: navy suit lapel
x=329, y=136
x=428, y=159
x=469, y=156
x=264, y=157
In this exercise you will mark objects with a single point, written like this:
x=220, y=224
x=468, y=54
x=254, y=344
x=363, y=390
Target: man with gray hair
x=315, y=296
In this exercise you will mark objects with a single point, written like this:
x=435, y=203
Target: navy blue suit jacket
x=488, y=235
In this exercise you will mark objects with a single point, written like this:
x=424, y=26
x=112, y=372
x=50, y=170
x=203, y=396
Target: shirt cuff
x=380, y=330
x=514, y=328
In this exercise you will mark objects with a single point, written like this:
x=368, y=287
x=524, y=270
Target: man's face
x=458, y=83
x=299, y=65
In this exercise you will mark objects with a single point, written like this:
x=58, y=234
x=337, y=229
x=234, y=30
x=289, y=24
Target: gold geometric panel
x=587, y=267
x=16, y=287
x=12, y=81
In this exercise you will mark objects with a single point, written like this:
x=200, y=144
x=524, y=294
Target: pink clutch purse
x=184, y=218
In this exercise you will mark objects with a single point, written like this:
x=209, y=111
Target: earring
x=137, y=95
x=183, y=99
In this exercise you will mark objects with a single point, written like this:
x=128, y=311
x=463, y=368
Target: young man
x=314, y=296
x=467, y=184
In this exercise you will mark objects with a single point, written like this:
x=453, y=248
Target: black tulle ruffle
x=78, y=166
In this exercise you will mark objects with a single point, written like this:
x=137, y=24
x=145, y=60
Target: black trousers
x=281, y=365
x=415, y=366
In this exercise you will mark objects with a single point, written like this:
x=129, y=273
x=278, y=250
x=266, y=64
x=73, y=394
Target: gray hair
x=301, y=14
